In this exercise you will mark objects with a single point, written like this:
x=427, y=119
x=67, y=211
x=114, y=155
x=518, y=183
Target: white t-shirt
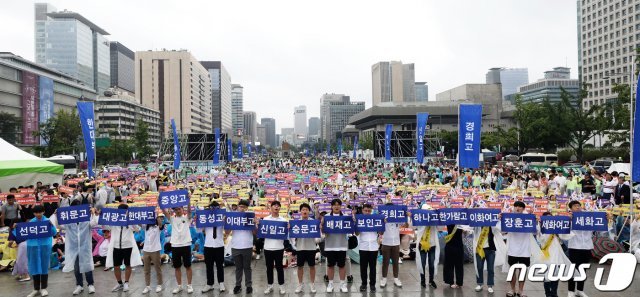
x=391, y=236
x=519, y=244
x=242, y=239
x=274, y=244
x=368, y=241
x=122, y=237
x=180, y=233
x=211, y=242
x=152, y=239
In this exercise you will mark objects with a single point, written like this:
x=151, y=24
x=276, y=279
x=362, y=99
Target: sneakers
x=581, y=294
x=189, y=289
x=117, y=288
x=125, y=287
x=312, y=287
x=383, y=282
x=207, y=288
x=177, y=290
x=397, y=282
x=282, y=290
x=237, y=289
x=298, y=288
x=78, y=290
x=330, y=288
x=478, y=288
x=571, y=294
x=268, y=290
x=258, y=257
x=146, y=290
x=490, y=290
x=44, y=292
x=158, y=288
x=34, y=293
x=400, y=261
x=343, y=288
x=222, y=288
x=91, y=288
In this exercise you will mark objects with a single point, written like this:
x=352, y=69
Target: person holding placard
x=38, y=251
x=214, y=253
x=490, y=251
x=428, y=252
x=453, y=257
x=123, y=250
x=552, y=255
x=151, y=255
x=580, y=246
x=274, y=252
x=306, y=253
x=336, y=246
x=368, y=249
x=391, y=251
x=241, y=251
x=180, y=246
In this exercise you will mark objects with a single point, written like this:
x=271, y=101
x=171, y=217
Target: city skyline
x=307, y=55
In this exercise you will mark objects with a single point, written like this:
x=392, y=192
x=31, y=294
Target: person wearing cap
x=151, y=253
x=38, y=252
x=214, y=253
x=180, y=246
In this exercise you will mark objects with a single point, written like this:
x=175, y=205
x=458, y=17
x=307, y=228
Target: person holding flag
x=274, y=252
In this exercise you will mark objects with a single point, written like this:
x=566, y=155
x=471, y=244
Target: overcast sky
x=289, y=53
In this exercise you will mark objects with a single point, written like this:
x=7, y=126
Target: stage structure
x=197, y=150
x=403, y=144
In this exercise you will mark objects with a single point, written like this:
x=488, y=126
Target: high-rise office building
x=270, y=130
x=422, y=91
x=393, y=83
x=608, y=35
x=550, y=86
x=300, y=124
x=175, y=83
x=221, y=96
x=314, y=127
x=237, y=119
x=510, y=78
x=261, y=134
x=335, y=111
x=250, y=126
x=68, y=42
x=122, y=67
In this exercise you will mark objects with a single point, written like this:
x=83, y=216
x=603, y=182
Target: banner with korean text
x=470, y=122
x=87, y=122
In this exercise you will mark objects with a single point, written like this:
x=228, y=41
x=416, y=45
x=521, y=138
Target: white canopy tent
x=19, y=168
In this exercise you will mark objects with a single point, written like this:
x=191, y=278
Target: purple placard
x=396, y=201
x=324, y=207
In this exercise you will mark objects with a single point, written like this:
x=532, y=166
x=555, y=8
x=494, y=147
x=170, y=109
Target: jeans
x=551, y=289
x=76, y=272
x=490, y=258
x=428, y=256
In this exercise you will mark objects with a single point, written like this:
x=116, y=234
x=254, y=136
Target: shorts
x=306, y=256
x=336, y=257
x=121, y=256
x=181, y=255
x=519, y=260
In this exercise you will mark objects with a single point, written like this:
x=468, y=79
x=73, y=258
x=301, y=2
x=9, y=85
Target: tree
x=449, y=139
x=366, y=141
x=46, y=132
x=618, y=114
x=141, y=140
x=537, y=126
x=61, y=133
x=8, y=127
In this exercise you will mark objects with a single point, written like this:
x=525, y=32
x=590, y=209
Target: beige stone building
x=177, y=85
x=392, y=83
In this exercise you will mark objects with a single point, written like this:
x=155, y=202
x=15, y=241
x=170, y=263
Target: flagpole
x=631, y=131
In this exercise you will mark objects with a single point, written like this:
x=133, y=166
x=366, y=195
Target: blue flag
x=229, y=150
x=453, y=216
x=216, y=152
x=425, y=217
x=176, y=146
x=210, y=218
x=470, y=122
x=635, y=166
x=249, y=150
x=518, y=222
x=73, y=214
x=113, y=217
x=422, y=118
x=483, y=217
x=387, y=142
x=355, y=146
x=370, y=223
x=589, y=221
x=394, y=213
x=171, y=199
x=339, y=147
x=304, y=229
x=32, y=230
x=240, y=150
x=338, y=225
x=141, y=215
x=555, y=224
x=273, y=229
x=87, y=122
x=236, y=220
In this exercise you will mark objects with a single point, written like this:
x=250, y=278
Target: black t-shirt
x=492, y=245
x=588, y=186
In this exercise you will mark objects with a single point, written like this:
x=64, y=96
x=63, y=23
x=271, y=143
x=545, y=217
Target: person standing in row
x=38, y=251
x=490, y=252
x=181, y=247
x=335, y=247
x=306, y=253
x=274, y=252
x=123, y=250
x=580, y=246
x=428, y=252
x=151, y=255
x=368, y=249
x=453, y=257
x=241, y=251
x=391, y=251
x=214, y=253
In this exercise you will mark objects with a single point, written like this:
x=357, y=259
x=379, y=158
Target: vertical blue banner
x=176, y=146
x=339, y=147
x=229, y=150
x=421, y=118
x=387, y=142
x=46, y=101
x=635, y=166
x=355, y=146
x=470, y=121
x=249, y=150
x=240, y=150
x=216, y=152
x=87, y=122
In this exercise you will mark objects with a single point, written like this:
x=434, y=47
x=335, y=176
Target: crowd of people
x=281, y=189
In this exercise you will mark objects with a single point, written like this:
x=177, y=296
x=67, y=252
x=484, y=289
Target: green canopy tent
x=19, y=168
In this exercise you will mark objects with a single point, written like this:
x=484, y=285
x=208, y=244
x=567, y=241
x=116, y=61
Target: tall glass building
x=510, y=78
x=68, y=42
